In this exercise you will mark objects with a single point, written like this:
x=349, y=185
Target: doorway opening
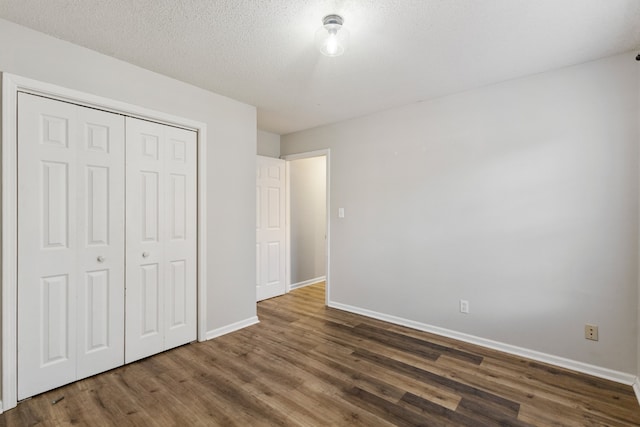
x=308, y=220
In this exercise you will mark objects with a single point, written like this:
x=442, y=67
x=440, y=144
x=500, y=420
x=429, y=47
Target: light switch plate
x=340, y=212
x=464, y=306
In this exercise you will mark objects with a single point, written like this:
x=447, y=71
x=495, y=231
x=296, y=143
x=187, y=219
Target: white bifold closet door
x=161, y=238
x=106, y=241
x=70, y=243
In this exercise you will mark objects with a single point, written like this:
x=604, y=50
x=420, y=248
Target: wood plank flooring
x=308, y=365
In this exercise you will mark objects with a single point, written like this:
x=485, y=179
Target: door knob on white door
x=145, y=254
x=100, y=259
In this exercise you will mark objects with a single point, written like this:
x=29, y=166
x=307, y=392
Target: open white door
x=270, y=227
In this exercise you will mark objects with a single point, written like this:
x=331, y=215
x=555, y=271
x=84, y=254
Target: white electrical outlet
x=591, y=332
x=464, y=306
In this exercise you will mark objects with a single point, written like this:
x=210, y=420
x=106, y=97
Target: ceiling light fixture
x=332, y=38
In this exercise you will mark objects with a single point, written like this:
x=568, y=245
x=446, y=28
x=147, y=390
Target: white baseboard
x=636, y=388
x=597, y=371
x=308, y=282
x=232, y=327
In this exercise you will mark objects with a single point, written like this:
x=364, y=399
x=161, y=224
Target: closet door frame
x=11, y=85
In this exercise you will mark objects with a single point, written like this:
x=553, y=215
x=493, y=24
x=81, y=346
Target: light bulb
x=332, y=44
x=332, y=38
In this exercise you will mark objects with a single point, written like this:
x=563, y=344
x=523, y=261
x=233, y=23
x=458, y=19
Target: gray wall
x=308, y=210
x=231, y=150
x=521, y=197
x=268, y=144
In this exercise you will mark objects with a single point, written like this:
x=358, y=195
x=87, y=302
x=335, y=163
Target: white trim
x=202, y=233
x=287, y=227
x=60, y=93
x=306, y=155
x=308, y=282
x=9, y=244
x=636, y=388
x=574, y=365
x=215, y=333
x=327, y=293
x=11, y=84
x=317, y=153
x=636, y=383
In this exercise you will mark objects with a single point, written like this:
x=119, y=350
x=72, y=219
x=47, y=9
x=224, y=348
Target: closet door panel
x=181, y=236
x=47, y=275
x=145, y=253
x=100, y=225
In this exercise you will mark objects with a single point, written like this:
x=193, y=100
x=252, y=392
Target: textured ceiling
x=401, y=51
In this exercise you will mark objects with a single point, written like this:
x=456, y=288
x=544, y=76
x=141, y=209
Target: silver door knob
x=100, y=259
x=145, y=254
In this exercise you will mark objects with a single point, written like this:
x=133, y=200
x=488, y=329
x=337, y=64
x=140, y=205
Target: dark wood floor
x=308, y=365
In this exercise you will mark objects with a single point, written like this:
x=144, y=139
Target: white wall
x=521, y=197
x=231, y=150
x=268, y=144
x=308, y=210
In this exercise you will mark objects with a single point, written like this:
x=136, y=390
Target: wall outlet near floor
x=464, y=306
x=591, y=332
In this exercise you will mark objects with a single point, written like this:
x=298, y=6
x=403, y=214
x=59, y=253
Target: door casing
x=11, y=85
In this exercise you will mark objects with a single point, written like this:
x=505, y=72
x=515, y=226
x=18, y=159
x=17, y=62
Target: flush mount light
x=332, y=38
